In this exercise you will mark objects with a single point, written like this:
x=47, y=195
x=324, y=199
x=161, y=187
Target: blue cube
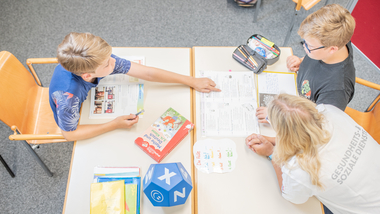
x=167, y=184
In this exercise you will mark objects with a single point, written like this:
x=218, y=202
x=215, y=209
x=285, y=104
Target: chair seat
x=307, y=4
x=42, y=117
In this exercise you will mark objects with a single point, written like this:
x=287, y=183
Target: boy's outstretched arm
x=160, y=75
x=92, y=130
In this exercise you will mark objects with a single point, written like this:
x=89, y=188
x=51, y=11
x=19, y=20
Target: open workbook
x=232, y=112
x=117, y=95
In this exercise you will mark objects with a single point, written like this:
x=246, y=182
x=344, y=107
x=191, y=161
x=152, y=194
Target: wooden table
x=252, y=186
x=117, y=148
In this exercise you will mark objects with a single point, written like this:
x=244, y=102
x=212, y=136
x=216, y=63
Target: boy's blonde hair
x=333, y=25
x=300, y=133
x=82, y=53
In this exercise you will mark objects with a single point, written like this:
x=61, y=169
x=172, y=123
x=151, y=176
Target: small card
x=215, y=155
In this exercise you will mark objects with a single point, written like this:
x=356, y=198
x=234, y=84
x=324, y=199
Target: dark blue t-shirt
x=67, y=92
x=323, y=83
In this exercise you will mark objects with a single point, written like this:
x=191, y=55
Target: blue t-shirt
x=67, y=92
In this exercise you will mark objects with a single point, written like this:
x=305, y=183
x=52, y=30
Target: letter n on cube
x=167, y=184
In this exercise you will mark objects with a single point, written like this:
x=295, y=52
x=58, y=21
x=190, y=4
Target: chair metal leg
x=351, y=5
x=257, y=8
x=7, y=167
x=37, y=158
x=290, y=28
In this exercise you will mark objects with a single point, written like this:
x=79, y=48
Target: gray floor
x=30, y=29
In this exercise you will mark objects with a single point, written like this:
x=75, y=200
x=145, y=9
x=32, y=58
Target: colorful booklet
x=130, y=177
x=104, y=171
x=127, y=200
x=164, y=134
x=130, y=198
x=107, y=197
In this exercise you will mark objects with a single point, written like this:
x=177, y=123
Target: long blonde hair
x=333, y=25
x=299, y=128
x=82, y=53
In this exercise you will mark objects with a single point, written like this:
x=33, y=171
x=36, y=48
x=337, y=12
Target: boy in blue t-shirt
x=84, y=59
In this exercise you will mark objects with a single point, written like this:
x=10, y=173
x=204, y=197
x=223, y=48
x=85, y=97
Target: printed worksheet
x=230, y=112
x=270, y=84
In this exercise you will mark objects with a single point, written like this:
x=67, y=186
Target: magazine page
x=230, y=112
x=118, y=95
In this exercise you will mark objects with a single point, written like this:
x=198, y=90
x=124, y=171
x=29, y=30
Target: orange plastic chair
x=370, y=119
x=25, y=105
x=307, y=5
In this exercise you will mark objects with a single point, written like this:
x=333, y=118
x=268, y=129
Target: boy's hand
x=260, y=144
x=126, y=121
x=293, y=63
x=261, y=114
x=204, y=85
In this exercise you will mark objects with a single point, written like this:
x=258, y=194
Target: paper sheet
x=271, y=84
x=230, y=112
x=215, y=155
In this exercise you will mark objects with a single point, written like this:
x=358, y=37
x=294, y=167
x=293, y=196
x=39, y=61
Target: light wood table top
x=117, y=148
x=252, y=186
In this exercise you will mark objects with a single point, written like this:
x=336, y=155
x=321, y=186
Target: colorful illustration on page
x=215, y=155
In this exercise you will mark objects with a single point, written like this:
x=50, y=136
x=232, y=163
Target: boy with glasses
x=327, y=73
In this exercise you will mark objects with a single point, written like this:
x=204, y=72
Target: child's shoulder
x=60, y=71
x=63, y=79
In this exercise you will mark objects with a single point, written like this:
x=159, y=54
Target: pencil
x=247, y=54
x=246, y=57
x=250, y=56
x=243, y=60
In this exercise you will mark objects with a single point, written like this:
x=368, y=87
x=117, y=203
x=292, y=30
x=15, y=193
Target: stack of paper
x=115, y=185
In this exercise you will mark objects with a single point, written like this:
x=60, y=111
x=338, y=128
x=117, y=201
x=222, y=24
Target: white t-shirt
x=350, y=169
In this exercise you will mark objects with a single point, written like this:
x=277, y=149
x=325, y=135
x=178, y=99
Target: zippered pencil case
x=257, y=53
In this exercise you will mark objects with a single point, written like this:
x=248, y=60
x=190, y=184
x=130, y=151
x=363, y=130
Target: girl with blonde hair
x=320, y=151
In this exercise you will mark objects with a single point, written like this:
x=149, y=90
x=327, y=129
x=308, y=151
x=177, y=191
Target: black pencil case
x=271, y=53
x=250, y=59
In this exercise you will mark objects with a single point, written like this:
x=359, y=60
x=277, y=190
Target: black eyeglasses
x=307, y=47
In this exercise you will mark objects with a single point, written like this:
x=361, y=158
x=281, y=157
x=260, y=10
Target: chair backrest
x=18, y=91
x=374, y=126
x=370, y=121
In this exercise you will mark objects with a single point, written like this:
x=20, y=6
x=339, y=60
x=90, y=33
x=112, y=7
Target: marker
x=273, y=50
x=142, y=111
x=138, y=113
